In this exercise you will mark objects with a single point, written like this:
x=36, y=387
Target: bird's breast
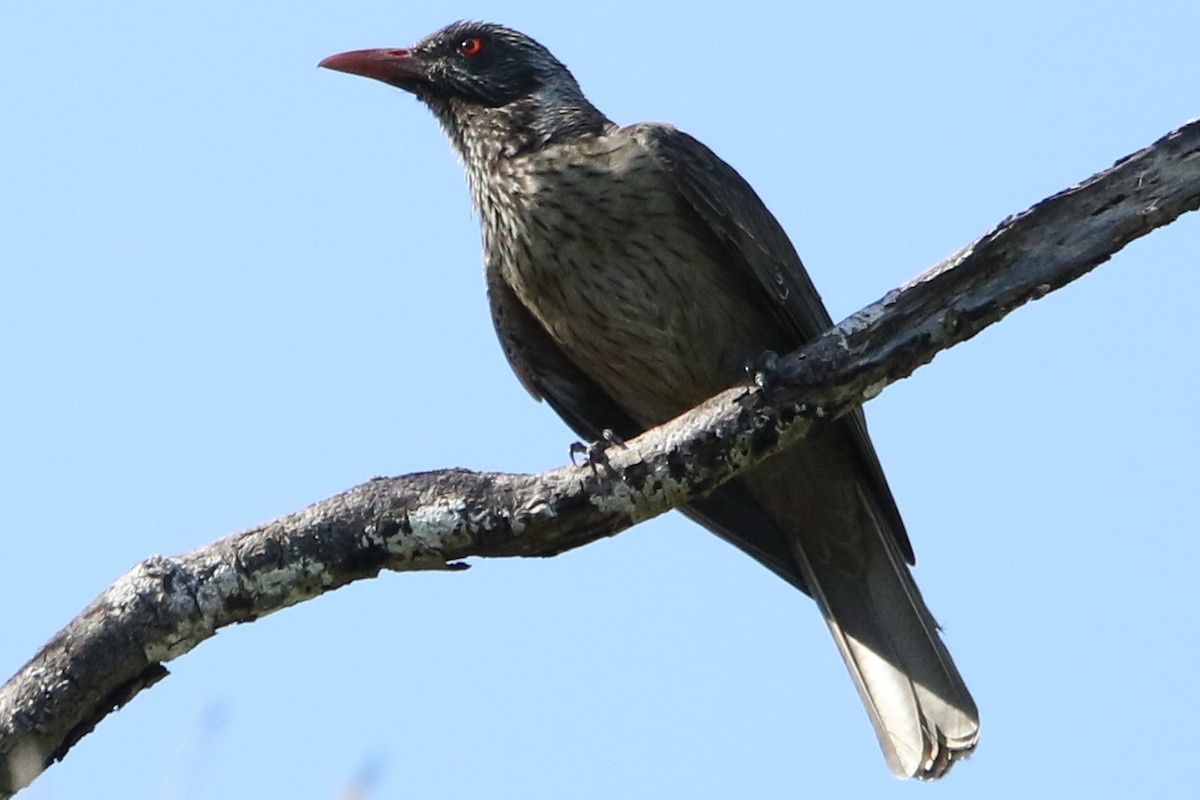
x=626, y=278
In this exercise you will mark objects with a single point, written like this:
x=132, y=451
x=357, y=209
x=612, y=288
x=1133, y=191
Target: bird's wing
x=549, y=374
x=546, y=371
x=754, y=240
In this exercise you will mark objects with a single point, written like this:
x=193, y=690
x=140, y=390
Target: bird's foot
x=594, y=453
x=763, y=370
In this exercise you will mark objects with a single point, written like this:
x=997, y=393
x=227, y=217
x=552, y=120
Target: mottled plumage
x=631, y=275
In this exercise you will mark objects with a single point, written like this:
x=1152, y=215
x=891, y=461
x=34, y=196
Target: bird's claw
x=763, y=370
x=594, y=453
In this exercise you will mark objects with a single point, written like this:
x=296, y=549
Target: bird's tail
x=921, y=710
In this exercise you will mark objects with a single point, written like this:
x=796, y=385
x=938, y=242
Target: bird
x=632, y=274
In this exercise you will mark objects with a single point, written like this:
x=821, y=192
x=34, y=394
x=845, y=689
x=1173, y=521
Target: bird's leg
x=763, y=370
x=594, y=453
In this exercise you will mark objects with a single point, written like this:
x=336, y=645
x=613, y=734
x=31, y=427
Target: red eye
x=471, y=46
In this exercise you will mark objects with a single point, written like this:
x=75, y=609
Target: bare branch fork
x=164, y=607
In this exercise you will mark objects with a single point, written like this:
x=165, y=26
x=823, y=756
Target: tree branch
x=164, y=607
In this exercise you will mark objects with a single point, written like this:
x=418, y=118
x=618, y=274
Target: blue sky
x=234, y=285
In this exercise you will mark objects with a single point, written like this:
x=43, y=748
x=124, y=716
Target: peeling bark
x=164, y=607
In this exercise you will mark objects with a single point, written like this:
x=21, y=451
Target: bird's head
x=487, y=84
